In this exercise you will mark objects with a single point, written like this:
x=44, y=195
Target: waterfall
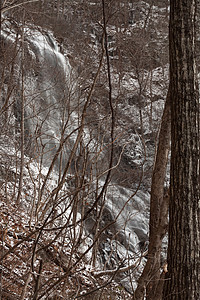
x=50, y=105
x=48, y=89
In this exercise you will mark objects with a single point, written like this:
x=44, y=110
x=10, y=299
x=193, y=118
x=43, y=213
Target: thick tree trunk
x=184, y=210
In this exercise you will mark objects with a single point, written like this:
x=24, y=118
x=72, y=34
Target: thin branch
x=120, y=270
x=4, y=9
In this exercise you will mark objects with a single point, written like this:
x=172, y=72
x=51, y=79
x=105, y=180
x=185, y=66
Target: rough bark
x=149, y=280
x=184, y=210
x=0, y=21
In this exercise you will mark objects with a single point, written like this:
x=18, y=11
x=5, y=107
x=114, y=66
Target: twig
x=17, y=5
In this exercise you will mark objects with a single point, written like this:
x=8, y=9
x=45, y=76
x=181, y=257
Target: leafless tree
x=87, y=153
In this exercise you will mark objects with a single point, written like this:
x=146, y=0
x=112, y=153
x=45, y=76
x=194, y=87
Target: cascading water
x=50, y=104
x=47, y=90
x=50, y=90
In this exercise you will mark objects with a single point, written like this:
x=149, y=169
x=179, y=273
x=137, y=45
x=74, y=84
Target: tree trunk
x=21, y=175
x=0, y=14
x=184, y=210
x=150, y=278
